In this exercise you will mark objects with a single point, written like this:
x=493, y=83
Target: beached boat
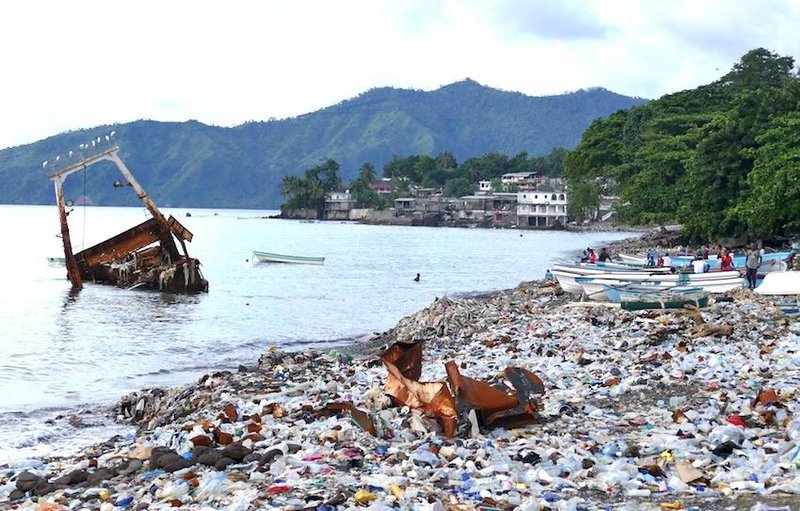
x=666, y=301
x=567, y=276
x=597, y=269
x=615, y=293
x=771, y=261
x=780, y=283
x=599, y=289
x=268, y=257
x=633, y=259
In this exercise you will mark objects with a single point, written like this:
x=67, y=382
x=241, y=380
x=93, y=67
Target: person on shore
x=699, y=265
x=705, y=251
x=660, y=261
x=667, y=262
x=603, y=257
x=725, y=260
x=752, y=262
x=794, y=248
x=592, y=256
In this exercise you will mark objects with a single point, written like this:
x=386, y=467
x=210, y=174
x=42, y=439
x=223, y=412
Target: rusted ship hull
x=135, y=259
x=144, y=256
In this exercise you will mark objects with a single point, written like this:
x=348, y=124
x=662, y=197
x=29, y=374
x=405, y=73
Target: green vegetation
x=308, y=192
x=721, y=159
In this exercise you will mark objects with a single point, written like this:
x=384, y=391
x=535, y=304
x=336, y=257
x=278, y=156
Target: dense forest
x=192, y=164
x=722, y=159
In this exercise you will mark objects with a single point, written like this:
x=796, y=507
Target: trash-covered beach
x=639, y=410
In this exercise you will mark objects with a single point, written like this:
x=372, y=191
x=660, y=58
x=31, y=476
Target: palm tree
x=366, y=174
x=293, y=187
x=315, y=195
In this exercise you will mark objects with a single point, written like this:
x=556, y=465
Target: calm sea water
x=60, y=351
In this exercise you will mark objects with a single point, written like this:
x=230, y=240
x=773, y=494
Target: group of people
x=753, y=258
x=592, y=257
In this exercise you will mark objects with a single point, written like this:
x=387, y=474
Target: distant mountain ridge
x=190, y=164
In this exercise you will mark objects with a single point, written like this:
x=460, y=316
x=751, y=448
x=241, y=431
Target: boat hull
x=675, y=302
x=268, y=257
x=780, y=283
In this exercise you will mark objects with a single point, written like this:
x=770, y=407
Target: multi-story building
x=541, y=209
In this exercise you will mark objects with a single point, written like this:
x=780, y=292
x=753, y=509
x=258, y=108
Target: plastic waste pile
x=611, y=409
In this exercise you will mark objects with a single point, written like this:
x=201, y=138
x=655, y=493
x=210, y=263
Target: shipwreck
x=145, y=256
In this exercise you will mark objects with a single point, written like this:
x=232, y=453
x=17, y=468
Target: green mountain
x=190, y=164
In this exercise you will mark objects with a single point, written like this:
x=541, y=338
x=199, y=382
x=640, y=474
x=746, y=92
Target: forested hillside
x=192, y=164
x=723, y=159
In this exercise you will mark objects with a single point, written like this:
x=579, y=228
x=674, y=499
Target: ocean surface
x=64, y=356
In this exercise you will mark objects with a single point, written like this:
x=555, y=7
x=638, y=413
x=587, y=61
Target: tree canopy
x=722, y=159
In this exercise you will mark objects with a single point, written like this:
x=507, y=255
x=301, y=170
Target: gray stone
x=209, y=457
x=26, y=481
x=223, y=463
x=236, y=451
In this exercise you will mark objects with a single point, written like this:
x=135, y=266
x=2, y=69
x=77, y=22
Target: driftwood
x=703, y=329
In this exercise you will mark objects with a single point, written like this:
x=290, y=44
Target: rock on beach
x=641, y=410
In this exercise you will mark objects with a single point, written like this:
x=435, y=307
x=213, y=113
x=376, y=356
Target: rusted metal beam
x=167, y=242
x=73, y=273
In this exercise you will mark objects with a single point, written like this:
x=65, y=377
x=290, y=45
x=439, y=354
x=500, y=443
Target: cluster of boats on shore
x=634, y=286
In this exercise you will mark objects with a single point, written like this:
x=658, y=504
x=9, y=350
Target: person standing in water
x=416, y=279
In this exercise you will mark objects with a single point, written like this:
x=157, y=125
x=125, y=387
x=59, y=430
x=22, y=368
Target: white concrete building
x=541, y=209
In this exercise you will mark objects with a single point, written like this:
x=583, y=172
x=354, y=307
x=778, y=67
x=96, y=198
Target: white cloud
x=72, y=65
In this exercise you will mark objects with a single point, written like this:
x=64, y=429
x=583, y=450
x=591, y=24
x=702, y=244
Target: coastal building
x=484, y=186
x=541, y=209
x=496, y=209
x=382, y=187
x=338, y=205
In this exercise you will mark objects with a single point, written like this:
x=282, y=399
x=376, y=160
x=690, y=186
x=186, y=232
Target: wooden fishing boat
x=268, y=257
x=634, y=302
x=602, y=289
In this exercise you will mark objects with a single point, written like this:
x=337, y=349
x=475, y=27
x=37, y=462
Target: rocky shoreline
x=641, y=410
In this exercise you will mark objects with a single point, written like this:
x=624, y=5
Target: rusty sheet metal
x=478, y=394
x=119, y=246
x=496, y=407
x=406, y=357
x=426, y=397
x=178, y=229
x=527, y=384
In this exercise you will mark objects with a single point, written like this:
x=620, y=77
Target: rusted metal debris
x=512, y=406
x=145, y=256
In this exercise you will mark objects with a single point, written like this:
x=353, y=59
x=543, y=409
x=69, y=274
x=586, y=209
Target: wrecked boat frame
x=144, y=256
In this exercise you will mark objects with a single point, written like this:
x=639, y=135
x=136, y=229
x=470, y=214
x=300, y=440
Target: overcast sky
x=78, y=64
